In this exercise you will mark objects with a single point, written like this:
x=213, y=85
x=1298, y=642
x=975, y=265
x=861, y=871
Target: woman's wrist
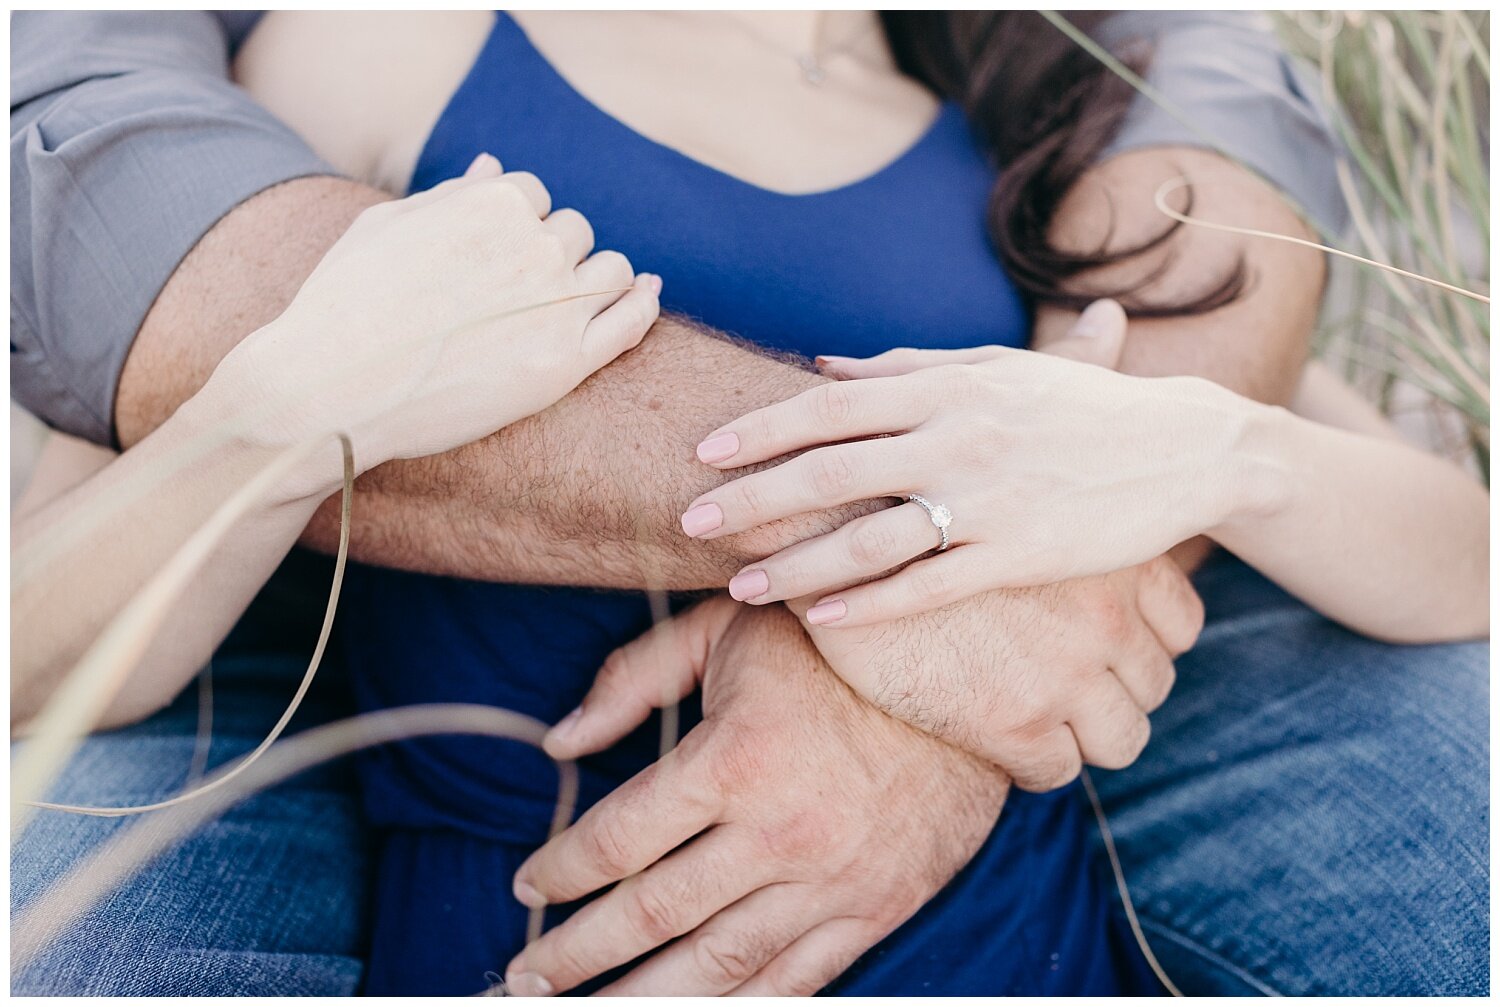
x=1258, y=467
x=247, y=422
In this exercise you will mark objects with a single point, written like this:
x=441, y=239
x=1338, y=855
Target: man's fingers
x=645, y=911
x=904, y=360
x=823, y=415
x=649, y=815
x=730, y=948
x=1111, y=729
x=814, y=960
x=575, y=232
x=658, y=668
x=1170, y=606
x=1041, y=764
x=864, y=547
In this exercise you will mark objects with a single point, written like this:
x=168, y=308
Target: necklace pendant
x=812, y=70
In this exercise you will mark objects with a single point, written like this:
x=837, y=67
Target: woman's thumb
x=1096, y=337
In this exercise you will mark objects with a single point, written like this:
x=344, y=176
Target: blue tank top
x=898, y=258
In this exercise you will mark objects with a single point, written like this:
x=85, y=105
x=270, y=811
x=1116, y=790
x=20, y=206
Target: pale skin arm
x=572, y=496
x=1375, y=534
x=489, y=520
x=396, y=388
x=103, y=569
x=1386, y=539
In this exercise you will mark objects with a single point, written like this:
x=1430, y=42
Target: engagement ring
x=941, y=516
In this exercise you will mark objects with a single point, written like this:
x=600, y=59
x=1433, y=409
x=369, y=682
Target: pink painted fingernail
x=750, y=584
x=825, y=612
x=528, y=984
x=702, y=519
x=655, y=284
x=527, y=895
x=718, y=447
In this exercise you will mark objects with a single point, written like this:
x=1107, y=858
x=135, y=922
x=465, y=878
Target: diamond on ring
x=940, y=516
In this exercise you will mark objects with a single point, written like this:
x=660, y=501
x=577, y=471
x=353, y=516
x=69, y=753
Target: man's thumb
x=659, y=668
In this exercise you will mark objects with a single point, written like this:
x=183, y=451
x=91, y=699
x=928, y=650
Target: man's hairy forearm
x=588, y=492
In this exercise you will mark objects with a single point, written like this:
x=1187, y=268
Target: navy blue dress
x=898, y=258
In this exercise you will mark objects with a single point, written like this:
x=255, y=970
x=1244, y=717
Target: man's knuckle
x=1055, y=768
x=652, y=915
x=608, y=846
x=723, y=960
x=738, y=766
x=1110, y=615
x=1162, y=684
x=802, y=838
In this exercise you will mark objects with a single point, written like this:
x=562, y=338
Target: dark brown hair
x=1045, y=109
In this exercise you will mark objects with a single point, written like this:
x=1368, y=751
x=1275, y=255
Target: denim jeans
x=1310, y=817
x=1312, y=813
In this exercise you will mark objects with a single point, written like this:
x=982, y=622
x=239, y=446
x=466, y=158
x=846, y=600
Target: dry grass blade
x=81, y=699
x=1171, y=185
x=149, y=621
x=128, y=850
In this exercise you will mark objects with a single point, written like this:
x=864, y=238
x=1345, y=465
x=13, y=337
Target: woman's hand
x=440, y=318
x=1053, y=467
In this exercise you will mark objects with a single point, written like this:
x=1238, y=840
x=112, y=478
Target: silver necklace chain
x=814, y=64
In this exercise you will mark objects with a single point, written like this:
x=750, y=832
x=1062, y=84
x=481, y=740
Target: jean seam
x=1213, y=957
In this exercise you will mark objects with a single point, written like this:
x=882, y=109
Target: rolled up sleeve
x=1239, y=92
x=128, y=143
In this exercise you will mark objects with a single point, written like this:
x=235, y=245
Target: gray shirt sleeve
x=128, y=143
x=1241, y=93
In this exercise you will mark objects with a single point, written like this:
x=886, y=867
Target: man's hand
x=794, y=800
x=1037, y=680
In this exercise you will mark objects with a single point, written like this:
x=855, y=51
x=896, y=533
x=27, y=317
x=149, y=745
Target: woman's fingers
x=484, y=166
x=1096, y=337
x=730, y=948
x=644, y=819
x=532, y=188
x=924, y=585
x=904, y=360
x=658, y=668
x=862, y=548
x=607, y=272
x=814, y=960
x=623, y=324
x=821, y=478
x=643, y=912
x=573, y=229
x=832, y=412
